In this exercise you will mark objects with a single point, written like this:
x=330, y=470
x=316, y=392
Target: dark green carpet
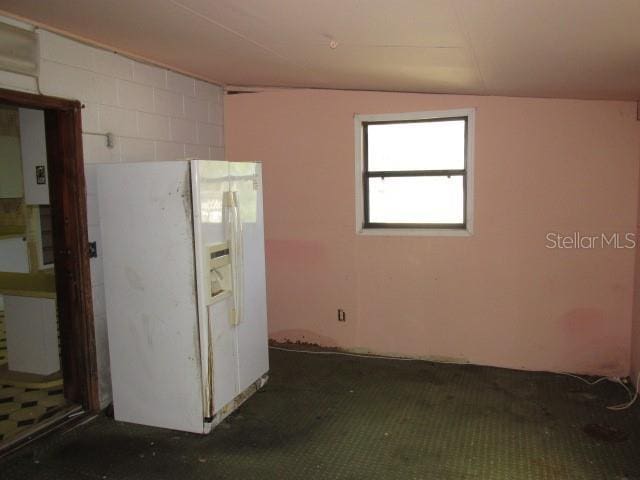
x=336, y=417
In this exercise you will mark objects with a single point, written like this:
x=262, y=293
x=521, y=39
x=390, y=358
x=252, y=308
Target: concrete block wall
x=154, y=113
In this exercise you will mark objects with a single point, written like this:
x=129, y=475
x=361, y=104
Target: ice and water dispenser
x=219, y=270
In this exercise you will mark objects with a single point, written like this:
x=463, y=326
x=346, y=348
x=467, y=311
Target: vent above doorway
x=18, y=50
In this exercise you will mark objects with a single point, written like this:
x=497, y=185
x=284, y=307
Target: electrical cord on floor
x=346, y=354
x=601, y=379
x=633, y=396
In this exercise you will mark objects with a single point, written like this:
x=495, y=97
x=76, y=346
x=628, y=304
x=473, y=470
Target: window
x=415, y=173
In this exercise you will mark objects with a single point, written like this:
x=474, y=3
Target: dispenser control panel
x=218, y=269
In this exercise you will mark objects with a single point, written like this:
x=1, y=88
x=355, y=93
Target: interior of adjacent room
x=30, y=374
x=39, y=355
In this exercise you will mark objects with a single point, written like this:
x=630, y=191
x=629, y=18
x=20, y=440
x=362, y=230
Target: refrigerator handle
x=234, y=234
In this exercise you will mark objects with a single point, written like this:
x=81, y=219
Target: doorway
x=63, y=247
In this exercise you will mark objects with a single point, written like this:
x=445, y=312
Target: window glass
x=426, y=145
x=429, y=199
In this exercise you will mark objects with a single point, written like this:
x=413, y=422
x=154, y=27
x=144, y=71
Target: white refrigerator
x=184, y=271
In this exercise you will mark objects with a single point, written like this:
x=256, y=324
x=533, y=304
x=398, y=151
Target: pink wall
x=498, y=297
x=635, y=334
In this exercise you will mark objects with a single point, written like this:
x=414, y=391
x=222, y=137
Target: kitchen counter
x=11, y=232
x=41, y=285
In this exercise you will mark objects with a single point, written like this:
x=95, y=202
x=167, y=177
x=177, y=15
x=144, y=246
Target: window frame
x=363, y=226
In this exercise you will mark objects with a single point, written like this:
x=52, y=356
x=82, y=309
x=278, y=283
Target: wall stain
x=134, y=279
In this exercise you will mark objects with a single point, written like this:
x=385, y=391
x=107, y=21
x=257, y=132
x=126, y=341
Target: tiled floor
x=22, y=408
x=24, y=404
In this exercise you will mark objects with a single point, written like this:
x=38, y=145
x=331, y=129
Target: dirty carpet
x=337, y=417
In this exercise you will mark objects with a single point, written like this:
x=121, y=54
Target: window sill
x=415, y=232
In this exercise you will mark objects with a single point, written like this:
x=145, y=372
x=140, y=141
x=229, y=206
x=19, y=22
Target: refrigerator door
x=210, y=184
x=253, y=354
x=151, y=303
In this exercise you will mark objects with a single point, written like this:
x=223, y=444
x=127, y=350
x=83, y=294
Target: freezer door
x=148, y=261
x=210, y=183
x=253, y=355
x=228, y=214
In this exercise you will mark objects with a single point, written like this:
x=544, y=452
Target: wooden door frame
x=67, y=193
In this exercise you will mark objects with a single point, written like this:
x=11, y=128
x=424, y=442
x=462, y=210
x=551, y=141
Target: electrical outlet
x=342, y=316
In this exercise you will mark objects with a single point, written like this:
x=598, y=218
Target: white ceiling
x=541, y=48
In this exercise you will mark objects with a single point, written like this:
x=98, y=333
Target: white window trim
x=446, y=232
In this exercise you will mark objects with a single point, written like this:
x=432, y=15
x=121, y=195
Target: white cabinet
x=11, y=176
x=13, y=255
x=23, y=156
x=10, y=165
x=32, y=334
x=34, y=157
